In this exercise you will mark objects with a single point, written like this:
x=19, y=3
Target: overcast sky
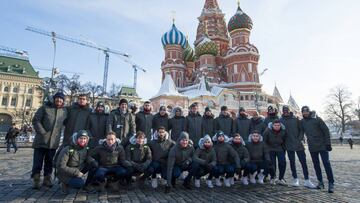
x=308, y=46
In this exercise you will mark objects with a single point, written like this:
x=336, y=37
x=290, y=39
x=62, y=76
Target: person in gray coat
x=224, y=122
x=122, y=122
x=48, y=121
x=193, y=123
x=96, y=125
x=204, y=161
x=243, y=124
x=144, y=119
x=177, y=124
x=318, y=138
x=77, y=118
x=179, y=160
x=74, y=161
x=208, y=123
x=294, y=144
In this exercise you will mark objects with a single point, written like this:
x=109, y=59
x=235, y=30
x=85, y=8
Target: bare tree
x=114, y=90
x=357, y=109
x=339, y=106
x=70, y=86
x=94, y=91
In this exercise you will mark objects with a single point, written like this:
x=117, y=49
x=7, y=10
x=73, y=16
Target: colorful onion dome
x=189, y=55
x=206, y=46
x=174, y=37
x=239, y=21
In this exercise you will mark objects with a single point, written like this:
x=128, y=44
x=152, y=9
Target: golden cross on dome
x=238, y=3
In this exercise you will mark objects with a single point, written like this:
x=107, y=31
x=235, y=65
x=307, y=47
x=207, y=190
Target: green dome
x=240, y=20
x=189, y=55
x=206, y=46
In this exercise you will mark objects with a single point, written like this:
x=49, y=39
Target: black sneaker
x=331, y=188
x=173, y=182
x=320, y=186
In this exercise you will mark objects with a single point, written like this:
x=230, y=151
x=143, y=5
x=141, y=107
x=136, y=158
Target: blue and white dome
x=174, y=37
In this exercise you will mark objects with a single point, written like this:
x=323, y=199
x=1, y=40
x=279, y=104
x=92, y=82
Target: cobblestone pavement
x=15, y=185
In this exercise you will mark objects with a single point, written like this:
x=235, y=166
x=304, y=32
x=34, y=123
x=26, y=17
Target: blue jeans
x=9, y=143
x=326, y=162
x=222, y=169
x=157, y=168
x=43, y=157
x=280, y=156
x=252, y=167
x=302, y=158
x=118, y=171
x=177, y=170
x=200, y=171
x=76, y=182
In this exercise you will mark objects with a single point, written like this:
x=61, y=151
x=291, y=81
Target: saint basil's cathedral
x=222, y=70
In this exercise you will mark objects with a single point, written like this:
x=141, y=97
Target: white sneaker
x=184, y=175
x=227, y=182
x=260, y=179
x=232, y=181
x=272, y=181
x=154, y=183
x=197, y=183
x=244, y=180
x=209, y=184
x=309, y=184
x=252, y=178
x=282, y=182
x=163, y=181
x=295, y=182
x=218, y=182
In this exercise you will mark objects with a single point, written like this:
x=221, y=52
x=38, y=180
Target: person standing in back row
x=208, y=123
x=144, y=119
x=96, y=125
x=224, y=122
x=193, y=124
x=318, y=137
x=161, y=119
x=242, y=125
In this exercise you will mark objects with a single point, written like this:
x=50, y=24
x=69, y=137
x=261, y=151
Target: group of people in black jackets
x=126, y=146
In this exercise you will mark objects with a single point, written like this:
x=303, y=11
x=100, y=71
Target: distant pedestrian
x=10, y=138
x=351, y=143
x=341, y=139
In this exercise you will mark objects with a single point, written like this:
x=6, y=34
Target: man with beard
x=224, y=122
x=243, y=124
x=177, y=124
x=193, y=123
x=48, y=121
x=77, y=118
x=208, y=123
x=144, y=119
x=161, y=119
x=257, y=123
x=318, y=137
x=96, y=125
x=122, y=122
x=272, y=114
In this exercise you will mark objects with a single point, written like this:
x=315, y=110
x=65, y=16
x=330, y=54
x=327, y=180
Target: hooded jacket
x=143, y=122
x=77, y=119
x=208, y=125
x=257, y=124
x=225, y=153
x=205, y=156
x=270, y=119
x=48, y=122
x=317, y=133
x=179, y=156
x=193, y=126
x=177, y=124
x=258, y=151
x=72, y=160
x=138, y=154
x=96, y=127
x=275, y=141
x=241, y=150
x=225, y=123
x=110, y=156
x=295, y=135
x=159, y=120
x=122, y=124
x=243, y=126
x=160, y=148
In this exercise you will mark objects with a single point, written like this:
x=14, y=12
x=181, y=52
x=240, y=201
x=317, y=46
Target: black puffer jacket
x=317, y=133
x=275, y=141
x=138, y=154
x=177, y=124
x=225, y=154
x=96, y=127
x=205, y=156
x=257, y=124
x=110, y=156
x=144, y=123
x=193, y=126
x=242, y=126
x=208, y=125
x=224, y=123
x=159, y=120
x=258, y=151
x=295, y=135
x=160, y=148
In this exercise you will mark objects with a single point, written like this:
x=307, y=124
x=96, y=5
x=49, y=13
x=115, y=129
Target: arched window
x=6, y=89
x=30, y=91
x=15, y=90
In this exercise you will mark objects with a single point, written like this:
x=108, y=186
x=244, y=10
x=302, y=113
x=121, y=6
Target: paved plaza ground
x=15, y=185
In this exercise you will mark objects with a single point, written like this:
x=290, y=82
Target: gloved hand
x=185, y=164
x=328, y=148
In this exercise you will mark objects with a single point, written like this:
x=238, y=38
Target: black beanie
x=285, y=108
x=305, y=109
x=100, y=104
x=59, y=95
x=224, y=108
x=207, y=109
x=241, y=109
x=123, y=101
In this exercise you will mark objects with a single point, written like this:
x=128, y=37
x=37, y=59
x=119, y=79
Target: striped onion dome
x=240, y=20
x=174, y=37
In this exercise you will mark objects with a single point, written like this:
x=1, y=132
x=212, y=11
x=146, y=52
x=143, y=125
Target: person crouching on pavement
x=74, y=161
x=224, y=154
x=110, y=156
x=160, y=146
x=180, y=160
x=260, y=163
x=139, y=156
x=238, y=145
x=204, y=161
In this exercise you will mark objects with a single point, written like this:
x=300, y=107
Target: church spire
x=211, y=4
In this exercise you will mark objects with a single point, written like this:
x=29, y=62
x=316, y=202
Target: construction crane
x=135, y=67
x=14, y=52
x=56, y=70
x=105, y=50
